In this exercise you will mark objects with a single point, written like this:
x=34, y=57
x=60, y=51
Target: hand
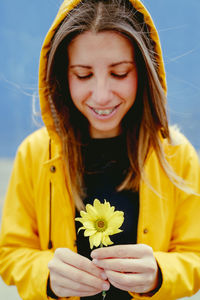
x=74, y=275
x=129, y=267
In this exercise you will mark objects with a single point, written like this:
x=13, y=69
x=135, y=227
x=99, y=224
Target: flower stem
x=103, y=292
x=103, y=295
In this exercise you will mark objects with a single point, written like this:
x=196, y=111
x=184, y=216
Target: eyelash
x=84, y=77
x=119, y=76
x=113, y=74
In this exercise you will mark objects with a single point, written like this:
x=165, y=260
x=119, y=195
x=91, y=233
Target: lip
x=104, y=117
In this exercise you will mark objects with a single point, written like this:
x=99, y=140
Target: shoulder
x=35, y=145
x=180, y=152
x=177, y=138
x=35, y=138
x=179, y=143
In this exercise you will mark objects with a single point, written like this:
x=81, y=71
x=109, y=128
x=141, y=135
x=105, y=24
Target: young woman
x=103, y=100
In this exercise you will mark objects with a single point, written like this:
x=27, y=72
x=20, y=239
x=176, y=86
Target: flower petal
x=78, y=219
x=108, y=213
x=83, y=214
x=116, y=220
x=81, y=229
x=89, y=232
x=111, y=231
x=88, y=224
x=104, y=209
x=96, y=238
x=91, y=242
x=92, y=212
x=106, y=241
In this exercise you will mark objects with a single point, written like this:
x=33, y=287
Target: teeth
x=103, y=112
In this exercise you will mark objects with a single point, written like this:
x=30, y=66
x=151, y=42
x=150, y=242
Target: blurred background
x=23, y=26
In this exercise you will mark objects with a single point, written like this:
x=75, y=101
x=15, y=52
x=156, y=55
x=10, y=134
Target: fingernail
x=95, y=261
x=105, y=287
x=104, y=276
x=92, y=254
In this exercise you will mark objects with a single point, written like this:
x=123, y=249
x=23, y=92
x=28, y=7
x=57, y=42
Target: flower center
x=100, y=225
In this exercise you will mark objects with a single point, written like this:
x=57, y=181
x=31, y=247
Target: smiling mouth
x=104, y=112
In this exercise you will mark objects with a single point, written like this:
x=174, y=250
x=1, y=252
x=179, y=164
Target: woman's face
x=103, y=79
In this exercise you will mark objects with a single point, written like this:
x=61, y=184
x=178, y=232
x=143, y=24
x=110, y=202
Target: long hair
x=145, y=122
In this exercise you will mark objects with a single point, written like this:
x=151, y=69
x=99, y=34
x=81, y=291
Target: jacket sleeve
x=22, y=262
x=180, y=266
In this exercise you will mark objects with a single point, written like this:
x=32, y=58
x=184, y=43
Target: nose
x=101, y=92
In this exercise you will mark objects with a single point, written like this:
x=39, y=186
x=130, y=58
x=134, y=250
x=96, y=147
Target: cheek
x=133, y=86
x=72, y=86
x=75, y=89
x=128, y=89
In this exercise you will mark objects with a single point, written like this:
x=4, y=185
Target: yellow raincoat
x=38, y=204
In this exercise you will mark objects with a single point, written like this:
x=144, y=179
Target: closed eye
x=82, y=77
x=119, y=76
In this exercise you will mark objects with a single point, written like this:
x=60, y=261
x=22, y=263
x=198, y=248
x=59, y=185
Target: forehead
x=102, y=45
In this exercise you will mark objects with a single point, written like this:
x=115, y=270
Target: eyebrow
x=122, y=62
x=112, y=65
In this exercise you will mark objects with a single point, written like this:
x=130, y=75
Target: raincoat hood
x=64, y=10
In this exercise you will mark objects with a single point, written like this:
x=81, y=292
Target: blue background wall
x=23, y=25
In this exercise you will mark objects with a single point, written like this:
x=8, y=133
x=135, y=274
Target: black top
x=106, y=164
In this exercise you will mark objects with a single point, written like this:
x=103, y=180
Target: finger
x=136, y=289
x=65, y=283
x=63, y=292
x=122, y=251
x=129, y=280
x=122, y=265
x=80, y=262
x=70, y=272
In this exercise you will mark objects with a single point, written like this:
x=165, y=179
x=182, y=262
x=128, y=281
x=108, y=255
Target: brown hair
x=144, y=123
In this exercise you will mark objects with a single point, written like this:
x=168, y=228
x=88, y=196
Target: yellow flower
x=99, y=221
